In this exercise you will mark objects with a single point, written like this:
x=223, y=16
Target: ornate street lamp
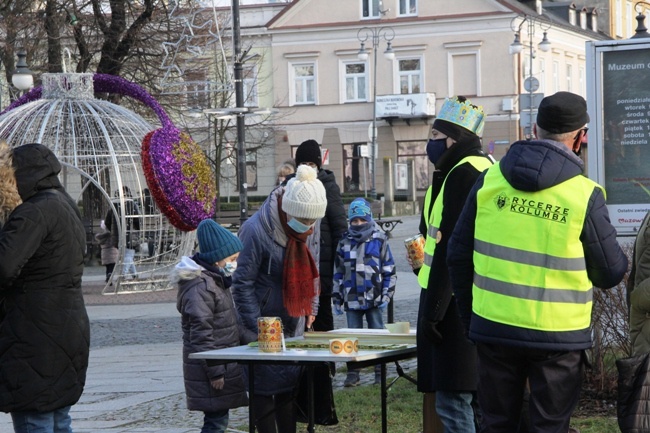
x=531, y=84
x=375, y=35
x=22, y=77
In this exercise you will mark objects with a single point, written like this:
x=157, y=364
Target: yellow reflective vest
x=529, y=265
x=434, y=218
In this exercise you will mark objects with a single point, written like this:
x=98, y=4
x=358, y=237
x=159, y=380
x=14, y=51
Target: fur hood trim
x=186, y=269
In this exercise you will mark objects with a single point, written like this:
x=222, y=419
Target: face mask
x=297, y=226
x=229, y=268
x=435, y=149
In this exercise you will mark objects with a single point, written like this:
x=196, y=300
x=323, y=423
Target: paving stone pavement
x=135, y=380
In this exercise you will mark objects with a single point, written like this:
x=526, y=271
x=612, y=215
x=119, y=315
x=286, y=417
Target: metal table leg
x=384, y=393
x=251, y=391
x=310, y=397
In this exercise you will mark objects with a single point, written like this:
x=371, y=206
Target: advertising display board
x=618, y=98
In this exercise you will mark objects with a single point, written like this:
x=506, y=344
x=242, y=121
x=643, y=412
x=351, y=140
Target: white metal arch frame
x=98, y=144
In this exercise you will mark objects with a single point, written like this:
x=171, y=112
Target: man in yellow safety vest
x=532, y=241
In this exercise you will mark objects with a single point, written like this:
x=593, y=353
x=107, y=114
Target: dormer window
x=583, y=19
x=594, y=21
x=572, y=17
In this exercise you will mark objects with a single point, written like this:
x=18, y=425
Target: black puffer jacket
x=45, y=334
x=633, y=401
x=332, y=227
x=209, y=321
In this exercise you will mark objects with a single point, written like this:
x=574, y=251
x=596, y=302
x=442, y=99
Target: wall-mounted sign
x=408, y=105
x=401, y=177
x=619, y=107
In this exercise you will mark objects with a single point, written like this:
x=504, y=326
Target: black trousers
x=554, y=377
x=324, y=319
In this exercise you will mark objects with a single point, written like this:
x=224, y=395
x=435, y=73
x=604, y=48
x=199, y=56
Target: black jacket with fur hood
x=44, y=332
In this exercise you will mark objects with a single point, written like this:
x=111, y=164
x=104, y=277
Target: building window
x=583, y=19
x=304, y=83
x=581, y=80
x=410, y=75
x=464, y=79
x=629, y=18
x=356, y=79
x=572, y=17
x=416, y=151
x=569, y=78
x=556, y=77
x=250, y=86
x=355, y=168
x=408, y=7
x=618, y=14
x=370, y=8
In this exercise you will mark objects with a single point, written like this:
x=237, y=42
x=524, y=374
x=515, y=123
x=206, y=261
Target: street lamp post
x=531, y=84
x=239, y=103
x=22, y=77
x=374, y=34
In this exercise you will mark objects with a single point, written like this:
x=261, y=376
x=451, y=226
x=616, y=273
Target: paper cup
x=398, y=327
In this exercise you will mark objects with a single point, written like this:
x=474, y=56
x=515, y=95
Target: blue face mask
x=229, y=268
x=297, y=226
x=435, y=149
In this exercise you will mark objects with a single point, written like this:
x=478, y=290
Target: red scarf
x=300, y=278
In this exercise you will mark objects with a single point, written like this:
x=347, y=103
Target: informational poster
x=621, y=125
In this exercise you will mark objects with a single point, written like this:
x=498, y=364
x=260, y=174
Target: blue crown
x=463, y=114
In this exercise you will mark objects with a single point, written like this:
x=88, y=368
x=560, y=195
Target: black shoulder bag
x=324, y=410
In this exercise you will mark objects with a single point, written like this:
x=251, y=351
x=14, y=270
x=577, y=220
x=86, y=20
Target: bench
x=230, y=219
x=386, y=224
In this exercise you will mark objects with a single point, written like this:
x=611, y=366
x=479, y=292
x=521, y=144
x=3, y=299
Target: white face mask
x=229, y=268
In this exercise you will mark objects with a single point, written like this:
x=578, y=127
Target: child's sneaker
x=352, y=379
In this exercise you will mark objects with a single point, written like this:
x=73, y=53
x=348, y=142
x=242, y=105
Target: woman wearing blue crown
x=446, y=358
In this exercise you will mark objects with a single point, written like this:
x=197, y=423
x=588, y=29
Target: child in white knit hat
x=278, y=276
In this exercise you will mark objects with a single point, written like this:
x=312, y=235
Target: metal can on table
x=269, y=337
x=415, y=249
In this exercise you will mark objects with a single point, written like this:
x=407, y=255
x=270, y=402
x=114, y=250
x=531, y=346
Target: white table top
x=247, y=353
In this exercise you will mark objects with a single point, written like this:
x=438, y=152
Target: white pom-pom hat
x=304, y=196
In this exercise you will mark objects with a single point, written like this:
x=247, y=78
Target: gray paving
x=135, y=380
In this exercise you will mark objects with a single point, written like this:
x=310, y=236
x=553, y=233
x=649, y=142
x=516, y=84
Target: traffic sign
x=524, y=100
x=531, y=84
x=525, y=118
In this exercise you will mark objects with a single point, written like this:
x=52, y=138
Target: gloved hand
x=218, y=383
x=430, y=330
x=338, y=310
x=382, y=307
